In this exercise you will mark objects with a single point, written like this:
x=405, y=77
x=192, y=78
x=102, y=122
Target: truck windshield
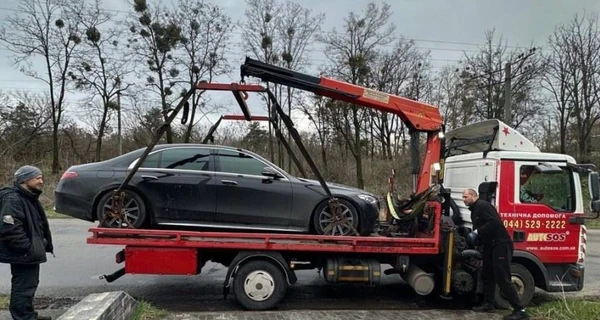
x=556, y=190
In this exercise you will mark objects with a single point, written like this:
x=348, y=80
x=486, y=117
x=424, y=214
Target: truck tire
x=259, y=285
x=524, y=283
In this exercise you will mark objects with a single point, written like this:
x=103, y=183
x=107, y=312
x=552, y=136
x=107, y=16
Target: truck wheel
x=523, y=281
x=259, y=285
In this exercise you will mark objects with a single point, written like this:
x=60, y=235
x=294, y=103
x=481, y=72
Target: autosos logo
x=547, y=237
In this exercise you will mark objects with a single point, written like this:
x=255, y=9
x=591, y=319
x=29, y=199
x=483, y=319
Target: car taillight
x=68, y=175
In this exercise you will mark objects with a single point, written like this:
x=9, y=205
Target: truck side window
x=553, y=189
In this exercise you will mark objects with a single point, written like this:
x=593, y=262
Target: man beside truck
x=489, y=232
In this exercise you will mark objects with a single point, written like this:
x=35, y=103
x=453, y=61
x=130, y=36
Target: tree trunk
x=55, y=161
x=101, y=131
x=357, y=149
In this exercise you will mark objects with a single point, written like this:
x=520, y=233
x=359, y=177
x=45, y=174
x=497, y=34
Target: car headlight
x=367, y=198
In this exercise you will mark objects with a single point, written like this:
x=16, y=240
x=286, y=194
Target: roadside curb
x=335, y=315
x=116, y=305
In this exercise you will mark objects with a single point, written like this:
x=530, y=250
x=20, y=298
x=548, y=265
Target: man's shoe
x=517, y=315
x=486, y=307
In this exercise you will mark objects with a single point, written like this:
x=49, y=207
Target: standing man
x=497, y=255
x=24, y=239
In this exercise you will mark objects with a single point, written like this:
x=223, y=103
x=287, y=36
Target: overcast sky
x=432, y=23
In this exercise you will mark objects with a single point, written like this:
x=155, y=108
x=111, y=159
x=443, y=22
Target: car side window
x=240, y=163
x=197, y=159
x=152, y=161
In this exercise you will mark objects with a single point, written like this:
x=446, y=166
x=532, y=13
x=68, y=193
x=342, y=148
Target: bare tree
x=24, y=123
x=296, y=29
x=205, y=34
x=316, y=112
x=486, y=79
x=352, y=54
x=395, y=72
x=259, y=31
x=582, y=38
x=100, y=67
x=156, y=36
x=51, y=30
x=557, y=81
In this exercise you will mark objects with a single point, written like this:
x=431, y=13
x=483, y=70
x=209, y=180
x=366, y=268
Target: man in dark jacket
x=24, y=239
x=497, y=255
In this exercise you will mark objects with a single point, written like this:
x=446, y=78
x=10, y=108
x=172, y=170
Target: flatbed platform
x=421, y=244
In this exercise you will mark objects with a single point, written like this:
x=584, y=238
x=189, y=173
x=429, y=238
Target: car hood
x=334, y=186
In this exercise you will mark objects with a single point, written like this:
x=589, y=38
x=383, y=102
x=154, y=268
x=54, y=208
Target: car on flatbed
x=210, y=186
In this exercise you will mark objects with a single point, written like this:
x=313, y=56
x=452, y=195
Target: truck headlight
x=368, y=198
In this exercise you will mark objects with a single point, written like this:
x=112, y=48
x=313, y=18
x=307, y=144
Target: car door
x=246, y=197
x=179, y=183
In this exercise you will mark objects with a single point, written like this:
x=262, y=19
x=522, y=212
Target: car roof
x=193, y=145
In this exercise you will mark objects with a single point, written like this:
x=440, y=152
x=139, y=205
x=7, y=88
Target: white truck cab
x=538, y=196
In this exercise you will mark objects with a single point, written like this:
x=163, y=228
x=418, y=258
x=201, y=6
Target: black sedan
x=208, y=186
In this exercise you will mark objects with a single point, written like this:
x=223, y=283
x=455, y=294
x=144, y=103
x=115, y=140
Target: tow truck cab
x=538, y=195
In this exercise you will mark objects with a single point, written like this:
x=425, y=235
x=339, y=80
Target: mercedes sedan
x=209, y=186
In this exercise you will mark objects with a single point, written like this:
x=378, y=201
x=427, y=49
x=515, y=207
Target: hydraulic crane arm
x=418, y=116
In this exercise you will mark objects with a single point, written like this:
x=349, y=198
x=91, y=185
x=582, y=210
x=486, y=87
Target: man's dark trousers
x=496, y=269
x=25, y=280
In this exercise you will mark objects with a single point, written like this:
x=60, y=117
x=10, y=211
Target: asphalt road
x=73, y=274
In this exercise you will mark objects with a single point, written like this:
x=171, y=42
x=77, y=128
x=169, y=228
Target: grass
x=51, y=214
x=566, y=309
x=592, y=223
x=146, y=311
x=3, y=302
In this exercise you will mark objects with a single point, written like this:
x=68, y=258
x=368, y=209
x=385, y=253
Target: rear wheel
x=134, y=210
x=323, y=218
x=259, y=285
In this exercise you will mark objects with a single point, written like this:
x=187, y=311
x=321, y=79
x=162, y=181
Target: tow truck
x=423, y=238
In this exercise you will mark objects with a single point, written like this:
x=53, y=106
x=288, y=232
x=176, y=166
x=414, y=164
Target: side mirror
x=594, y=186
x=270, y=172
x=487, y=191
x=595, y=206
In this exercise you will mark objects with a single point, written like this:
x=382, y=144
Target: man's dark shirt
x=488, y=224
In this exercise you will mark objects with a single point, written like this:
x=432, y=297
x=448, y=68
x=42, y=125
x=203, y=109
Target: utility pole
x=507, y=93
x=119, y=142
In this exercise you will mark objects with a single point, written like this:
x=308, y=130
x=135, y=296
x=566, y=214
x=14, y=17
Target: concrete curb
x=116, y=305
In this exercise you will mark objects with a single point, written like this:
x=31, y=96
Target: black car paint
x=171, y=196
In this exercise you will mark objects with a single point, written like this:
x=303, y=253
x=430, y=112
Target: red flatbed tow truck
x=427, y=249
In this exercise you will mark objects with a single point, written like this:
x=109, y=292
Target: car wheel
x=323, y=217
x=133, y=206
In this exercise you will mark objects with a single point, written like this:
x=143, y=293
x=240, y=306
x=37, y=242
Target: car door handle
x=148, y=177
x=231, y=182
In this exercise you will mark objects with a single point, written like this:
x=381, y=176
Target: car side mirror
x=594, y=186
x=270, y=172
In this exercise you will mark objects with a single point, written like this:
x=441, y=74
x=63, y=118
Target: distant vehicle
x=209, y=186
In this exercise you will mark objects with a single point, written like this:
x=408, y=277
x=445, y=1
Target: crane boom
x=418, y=116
